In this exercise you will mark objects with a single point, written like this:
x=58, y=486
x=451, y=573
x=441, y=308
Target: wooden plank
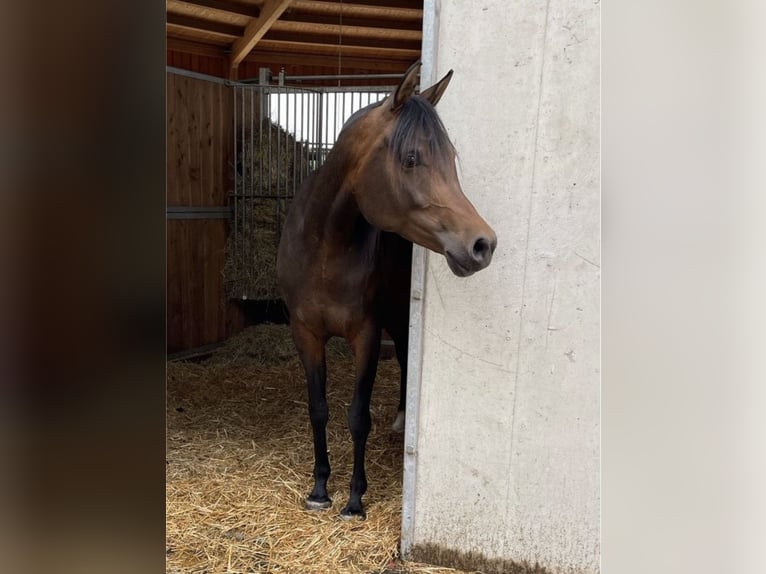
x=270, y=13
x=379, y=41
x=215, y=299
x=203, y=143
x=179, y=193
x=171, y=135
x=174, y=303
x=186, y=337
x=357, y=10
x=219, y=12
x=182, y=152
x=207, y=303
x=196, y=35
x=196, y=239
x=199, y=127
x=332, y=50
x=219, y=6
x=291, y=16
x=194, y=133
x=178, y=47
x=334, y=30
x=204, y=25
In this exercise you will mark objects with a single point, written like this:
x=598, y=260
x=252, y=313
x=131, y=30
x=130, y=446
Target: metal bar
x=282, y=95
x=197, y=75
x=318, y=140
x=263, y=76
x=244, y=210
x=251, y=187
x=235, y=200
x=338, y=118
x=306, y=98
x=328, y=77
x=198, y=209
x=270, y=146
x=263, y=113
x=256, y=196
x=198, y=215
x=295, y=147
x=345, y=104
x=363, y=89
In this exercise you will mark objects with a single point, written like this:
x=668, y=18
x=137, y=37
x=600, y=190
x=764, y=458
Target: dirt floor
x=240, y=457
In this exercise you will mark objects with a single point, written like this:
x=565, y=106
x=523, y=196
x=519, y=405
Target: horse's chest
x=337, y=292
x=346, y=283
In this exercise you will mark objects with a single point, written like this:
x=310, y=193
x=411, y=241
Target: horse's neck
x=334, y=210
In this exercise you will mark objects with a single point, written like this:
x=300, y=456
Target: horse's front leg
x=311, y=350
x=366, y=347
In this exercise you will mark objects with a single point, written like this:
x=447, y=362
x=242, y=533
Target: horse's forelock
x=418, y=121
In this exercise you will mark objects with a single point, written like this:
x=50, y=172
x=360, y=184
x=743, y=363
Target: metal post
x=244, y=206
x=319, y=134
x=418, y=289
x=278, y=123
x=235, y=199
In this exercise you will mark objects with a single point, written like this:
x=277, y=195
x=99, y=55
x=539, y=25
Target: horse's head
x=405, y=178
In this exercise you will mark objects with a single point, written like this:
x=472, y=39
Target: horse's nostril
x=481, y=249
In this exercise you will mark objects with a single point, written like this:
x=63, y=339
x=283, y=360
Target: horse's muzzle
x=465, y=260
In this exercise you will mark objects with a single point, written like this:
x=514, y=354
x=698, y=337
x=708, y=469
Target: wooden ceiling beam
x=222, y=6
x=353, y=10
x=346, y=50
x=195, y=35
x=270, y=13
x=176, y=7
x=376, y=35
x=290, y=16
x=306, y=38
x=204, y=25
x=333, y=31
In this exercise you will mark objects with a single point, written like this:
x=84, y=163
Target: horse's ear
x=407, y=86
x=435, y=92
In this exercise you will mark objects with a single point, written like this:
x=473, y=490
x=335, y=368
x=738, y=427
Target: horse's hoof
x=318, y=504
x=351, y=514
x=398, y=425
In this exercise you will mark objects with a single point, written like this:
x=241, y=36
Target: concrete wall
x=502, y=461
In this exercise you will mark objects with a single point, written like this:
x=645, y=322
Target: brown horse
x=346, y=250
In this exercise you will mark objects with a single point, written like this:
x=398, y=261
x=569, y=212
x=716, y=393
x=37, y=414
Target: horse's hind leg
x=312, y=355
x=366, y=347
x=400, y=334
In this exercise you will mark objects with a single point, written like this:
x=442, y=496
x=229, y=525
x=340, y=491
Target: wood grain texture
x=199, y=147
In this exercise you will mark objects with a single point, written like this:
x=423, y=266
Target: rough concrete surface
x=507, y=458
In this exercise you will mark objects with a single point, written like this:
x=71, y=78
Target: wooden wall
x=199, y=147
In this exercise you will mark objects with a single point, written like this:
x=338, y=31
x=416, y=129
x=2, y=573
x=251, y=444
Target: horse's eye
x=411, y=160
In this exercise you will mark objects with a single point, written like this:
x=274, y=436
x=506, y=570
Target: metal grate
x=281, y=134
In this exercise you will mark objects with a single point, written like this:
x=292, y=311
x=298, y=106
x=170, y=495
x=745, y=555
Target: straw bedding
x=240, y=457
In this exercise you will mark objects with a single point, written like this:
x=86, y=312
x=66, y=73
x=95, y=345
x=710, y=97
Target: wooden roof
x=345, y=36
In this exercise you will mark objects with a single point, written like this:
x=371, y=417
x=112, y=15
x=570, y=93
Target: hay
x=240, y=457
x=270, y=162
